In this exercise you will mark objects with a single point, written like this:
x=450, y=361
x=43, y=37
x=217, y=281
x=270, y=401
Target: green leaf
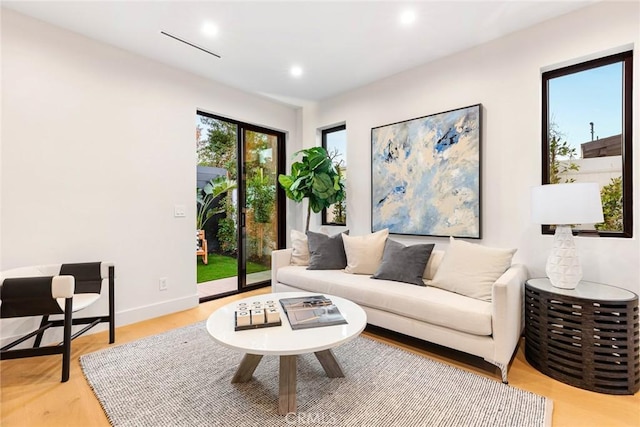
x=208, y=188
x=296, y=184
x=285, y=181
x=316, y=204
x=316, y=162
x=323, y=186
x=336, y=182
x=297, y=168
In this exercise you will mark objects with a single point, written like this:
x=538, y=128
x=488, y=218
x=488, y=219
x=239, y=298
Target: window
x=586, y=123
x=334, y=140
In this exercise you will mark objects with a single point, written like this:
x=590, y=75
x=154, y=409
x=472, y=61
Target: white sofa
x=490, y=330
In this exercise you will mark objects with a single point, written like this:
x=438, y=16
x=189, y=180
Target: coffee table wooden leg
x=329, y=363
x=248, y=364
x=287, y=396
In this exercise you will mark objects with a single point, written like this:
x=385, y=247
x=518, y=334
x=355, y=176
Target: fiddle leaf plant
x=314, y=178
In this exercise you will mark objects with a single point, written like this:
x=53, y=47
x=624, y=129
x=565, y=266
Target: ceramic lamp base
x=563, y=265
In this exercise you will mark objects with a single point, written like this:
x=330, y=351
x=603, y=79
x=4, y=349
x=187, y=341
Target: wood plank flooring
x=33, y=396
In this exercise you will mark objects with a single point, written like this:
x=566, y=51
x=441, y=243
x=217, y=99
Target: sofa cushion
x=364, y=253
x=432, y=265
x=427, y=304
x=404, y=263
x=326, y=252
x=300, y=248
x=470, y=269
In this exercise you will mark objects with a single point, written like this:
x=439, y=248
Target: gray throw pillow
x=402, y=263
x=326, y=252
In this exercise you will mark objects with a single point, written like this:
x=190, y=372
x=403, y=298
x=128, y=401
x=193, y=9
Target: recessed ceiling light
x=407, y=17
x=296, y=71
x=210, y=29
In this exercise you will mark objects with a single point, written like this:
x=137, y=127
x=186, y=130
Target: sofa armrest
x=507, y=311
x=279, y=258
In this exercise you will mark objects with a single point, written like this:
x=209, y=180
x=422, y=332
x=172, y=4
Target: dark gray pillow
x=327, y=252
x=404, y=263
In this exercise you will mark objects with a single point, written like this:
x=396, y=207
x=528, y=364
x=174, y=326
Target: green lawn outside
x=221, y=267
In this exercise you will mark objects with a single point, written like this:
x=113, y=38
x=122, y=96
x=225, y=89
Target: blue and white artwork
x=426, y=175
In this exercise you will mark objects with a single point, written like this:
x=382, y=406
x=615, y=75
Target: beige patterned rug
x=182, y=378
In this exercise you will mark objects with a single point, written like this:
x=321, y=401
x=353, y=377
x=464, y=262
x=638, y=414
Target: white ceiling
x=340, y=45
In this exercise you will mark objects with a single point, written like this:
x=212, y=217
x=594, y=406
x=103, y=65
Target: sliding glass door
x=260, y=207
x=246, y=221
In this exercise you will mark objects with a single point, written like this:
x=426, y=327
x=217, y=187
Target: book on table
x=311, y=312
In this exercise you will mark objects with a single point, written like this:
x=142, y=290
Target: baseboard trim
x=138, y=314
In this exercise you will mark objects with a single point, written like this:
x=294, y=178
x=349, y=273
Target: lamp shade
x=574, y=203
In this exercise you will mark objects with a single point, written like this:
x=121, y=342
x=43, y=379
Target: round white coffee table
x=284, y=342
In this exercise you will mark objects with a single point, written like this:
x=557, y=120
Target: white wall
x=98, y=145
x=594, y=169
x=505, y=77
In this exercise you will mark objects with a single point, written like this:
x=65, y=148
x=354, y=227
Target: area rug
x=183, y=378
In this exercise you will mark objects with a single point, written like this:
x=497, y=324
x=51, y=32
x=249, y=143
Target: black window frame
x=324, y=133
x=626, y=58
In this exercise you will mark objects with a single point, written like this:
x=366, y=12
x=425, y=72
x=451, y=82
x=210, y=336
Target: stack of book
x=311, y=312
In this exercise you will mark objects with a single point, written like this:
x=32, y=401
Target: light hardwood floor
x=32, y=394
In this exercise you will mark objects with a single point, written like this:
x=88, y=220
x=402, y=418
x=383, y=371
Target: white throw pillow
x=470, y=269
x=432, y=265
x=364, y=253
x=300, y=245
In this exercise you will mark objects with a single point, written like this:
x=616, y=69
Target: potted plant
x=314, y=178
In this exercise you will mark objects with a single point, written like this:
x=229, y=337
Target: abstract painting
x=425, y=175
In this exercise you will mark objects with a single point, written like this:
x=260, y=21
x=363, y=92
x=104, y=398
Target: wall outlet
x=162, y=284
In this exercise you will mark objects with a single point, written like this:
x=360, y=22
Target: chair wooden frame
x=202, y=249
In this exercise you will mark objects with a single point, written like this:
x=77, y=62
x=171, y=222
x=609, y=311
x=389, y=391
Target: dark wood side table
x=586, y=337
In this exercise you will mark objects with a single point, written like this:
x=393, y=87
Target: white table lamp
x=562, y=205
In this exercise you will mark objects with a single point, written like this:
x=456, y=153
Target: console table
x=586, y=337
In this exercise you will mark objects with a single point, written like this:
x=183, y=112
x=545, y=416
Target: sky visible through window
x=338, y=141
x=593, y=95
